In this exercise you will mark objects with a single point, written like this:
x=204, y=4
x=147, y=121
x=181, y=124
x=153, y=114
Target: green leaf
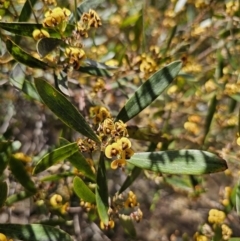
x=23, y=29
x=57, y=177
x=19, y=80
x=26, y=29
x=4, y=145
x=61, y=82
x=55, y=156
x=47, y=45
x=179, y=183
x=3, y=162
x=34, y=232
x=149, y=91
x=95, y=68
x=18, y=197
x=23, y=57
x=98, y=65
x=130, y=179
x=235, y=197
x=94, y=71
x=79, y=161
x=102, y=191
x=210, y=114
x=191, y=162
x=83, y=191
x=26, y=10
x=65, y=111
x=128, y=226
x=20, y=173
x=145, y=134
x=3, y=193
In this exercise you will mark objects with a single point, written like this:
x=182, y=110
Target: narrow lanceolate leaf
x=130, y=179
x=149, y=91
x=19, y=80
x=56, y=177
x=3, y=193
x=95, y=68
x=83, y=191
x=34, y=232
x=61, y=82
x=23, y=57
x=127, y=225
x=3, y=162
x=94, y=71
x=62, y=108
x=26, y=10
x=26, y=29
x=23, y=29
x=102, y=191
x=191, y=162
x=20, y=173
x=80, y=162
x=4, y=145
x=18, y=197
x=47, y=45
x=210, y=114
x=55, y=156
x=236, y=196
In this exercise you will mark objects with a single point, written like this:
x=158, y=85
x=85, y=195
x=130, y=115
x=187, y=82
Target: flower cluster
x=99, y=114
x=88, y=20
x=200, y=237
x=110, y=225
x=216, y=216
x=98, y=86
x=226, y=196
x=121, y=149
x=50, y=2
x=86, y=145
x=232, y=7
x=147, y=65
x=74, y=55
x=226, y=232
x=57, y=17
x=113, y=135
x=87, y=206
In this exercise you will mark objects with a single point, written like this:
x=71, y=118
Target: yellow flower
x=75, y=56
x=118, y=163
x=216, y=216
x=108, y=126
x=226, y=232
x=121, y=128
x=129, y=153
x=3, y=237
x=56, y=17
x=110, y=225
x=104, y=113
x=131, y=200
x=64, y=208
x=56, y=200
x=125, y=143
x=22, y=157
x=39, y=34
x=113, y=150
x=200, y=237
x=137, y=215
